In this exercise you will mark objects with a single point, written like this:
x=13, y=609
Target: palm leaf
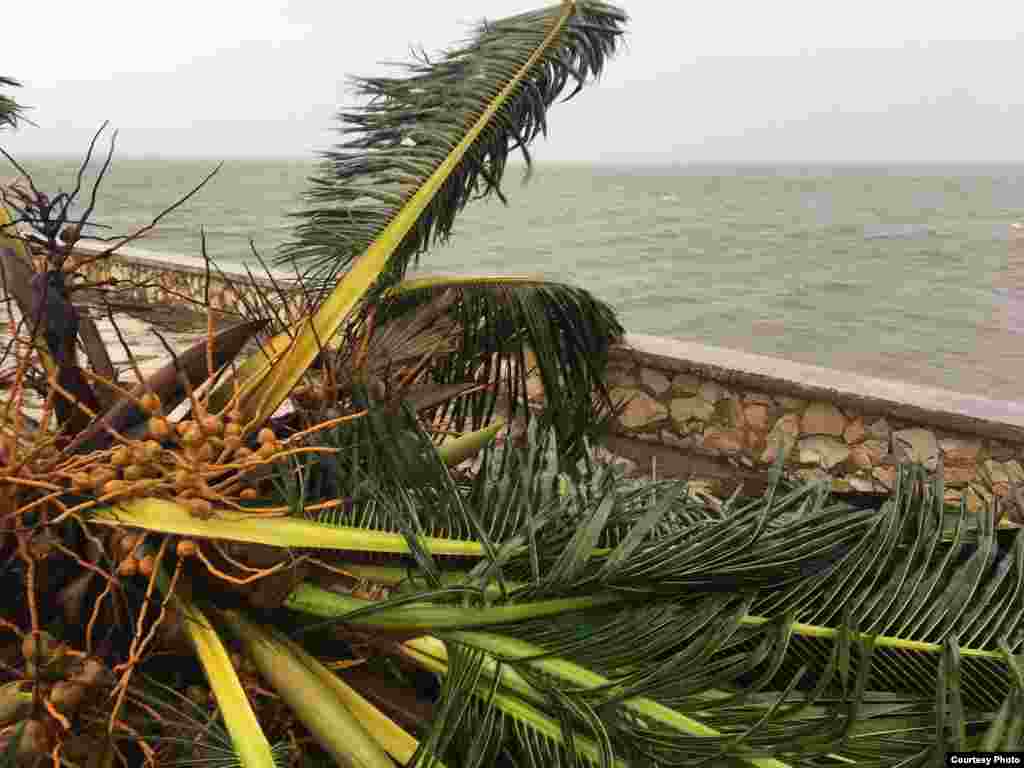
x=497, y=90
x=459, y=116
x=501, y=323
x=689, y=633
x=543, y=739
x=10, y=110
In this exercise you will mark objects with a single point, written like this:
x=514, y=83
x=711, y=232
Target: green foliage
x=11, y=112
x=792, y=627
x=410, y=124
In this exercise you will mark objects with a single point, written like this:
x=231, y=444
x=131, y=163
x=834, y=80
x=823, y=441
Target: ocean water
x=900, y=272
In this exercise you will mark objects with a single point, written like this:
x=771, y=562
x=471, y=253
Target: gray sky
x=873, y=81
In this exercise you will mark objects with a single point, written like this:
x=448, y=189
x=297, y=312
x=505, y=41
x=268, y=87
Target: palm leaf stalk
x=328, y=719
x=251, y=746
x=396, y=741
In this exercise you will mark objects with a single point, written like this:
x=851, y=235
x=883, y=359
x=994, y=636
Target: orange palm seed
x=187, y=548
x=146, y=565
x=150, y=403
x=212, y=425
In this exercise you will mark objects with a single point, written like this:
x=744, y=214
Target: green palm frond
x=375, y=214
x=794, y=629
x=411, y=124
x=481, y=722
x=11, y=112
x=497, y=322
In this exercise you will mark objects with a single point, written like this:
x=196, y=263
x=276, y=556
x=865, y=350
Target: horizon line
x=538, y=162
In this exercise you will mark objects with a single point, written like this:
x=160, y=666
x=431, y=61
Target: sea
x=901, y=272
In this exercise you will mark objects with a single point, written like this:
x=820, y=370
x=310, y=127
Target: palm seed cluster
x=199, y=462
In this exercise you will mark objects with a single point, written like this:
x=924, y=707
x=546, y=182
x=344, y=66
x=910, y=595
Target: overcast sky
x=796, y=81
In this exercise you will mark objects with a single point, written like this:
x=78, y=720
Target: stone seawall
x=689, y=408
x=722, y=414
x=154, y=278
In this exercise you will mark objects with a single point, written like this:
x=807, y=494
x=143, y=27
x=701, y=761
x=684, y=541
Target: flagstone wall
x=731, y=412
x=156, y=278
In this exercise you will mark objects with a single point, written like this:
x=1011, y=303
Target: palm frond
x=504, y=83
x=510, y=73
x=480, y=722
x=505, y=329
x=689, y=633
x=11, y=112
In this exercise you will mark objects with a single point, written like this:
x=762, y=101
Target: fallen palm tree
x=302, y=541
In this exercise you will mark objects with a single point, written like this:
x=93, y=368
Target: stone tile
x=959, y=451
x=880, y=430
x=917, y=445
x=855, y=431
x=867, y=454
x=756, y=415
x=822, y=450
x=822, y=419
x=685, y=384
x=758, y=397
x=711, y=391
x=956, y=474
x=724, y=440
x=886, y=476
x=791, y=403
x=685, y=408
x=655, y=381
x=641, y=411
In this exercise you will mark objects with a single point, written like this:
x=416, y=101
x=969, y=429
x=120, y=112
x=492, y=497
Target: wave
x=904, y=231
